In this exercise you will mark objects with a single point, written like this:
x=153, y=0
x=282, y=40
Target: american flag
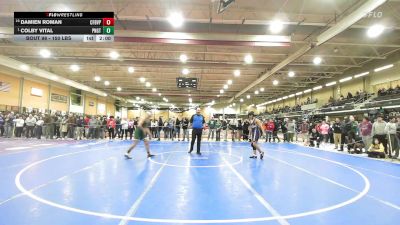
x=5, y=87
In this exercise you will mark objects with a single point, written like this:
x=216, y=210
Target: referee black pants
x=196, y=133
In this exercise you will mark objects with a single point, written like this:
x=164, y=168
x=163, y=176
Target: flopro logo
x=374, y=14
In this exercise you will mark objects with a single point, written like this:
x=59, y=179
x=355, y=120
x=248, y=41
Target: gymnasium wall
x=10, y=97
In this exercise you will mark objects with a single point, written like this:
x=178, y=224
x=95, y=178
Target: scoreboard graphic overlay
x=64, y=26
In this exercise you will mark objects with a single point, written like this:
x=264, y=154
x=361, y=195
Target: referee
x=197, y=121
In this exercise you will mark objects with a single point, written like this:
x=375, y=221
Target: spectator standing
x=185, y=125
x=246, y=131
x=39, y=127
x=304, y=131
x=1, y=125
x=124, y=129
x=365, y=128
x=225, y=129
x=218, y=126
x=270, y=126
x=324, y=129
x=131, y=127
x=117, y=128
x=160, y=126
x=30, y=125
x=211, y=127
x=379, y=131
x=79, y=129
x=64, y=127
x=178, y=128
x=391, y=130
x=19, y=125
x=337, y=133
x=111, y=125
x=291, y=126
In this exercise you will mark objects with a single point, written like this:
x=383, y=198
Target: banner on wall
x=59, y=98
x=5, y=87
x=37, y=92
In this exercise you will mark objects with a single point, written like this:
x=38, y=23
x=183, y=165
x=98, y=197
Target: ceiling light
x=276, y=26
x=345, y=79
x=248, y=59
x=317, y=87
x=183, y=58
x=221, y=91
x=190, y=100
x=275, y=82
x=234, y=104
x=114, y=55
x=279, y=99
x=24, y=67
x=154, y=90
x=307, y=91
x=256, y=92
x=291, y=96
x=361, y=75
x=285, y=97
x=291, y=74
x=106, y=82
x=262, y=89
x=138, y=98
x=176, y=19
x=185, y=71
x=317, y=60
x=225, y=86
x=330, y=83
x=299, y=93
x=45, y=53
x=248, y=96
x=218, y=96
x=148, y=84
x=159, y=94
x=74, y=68
x=142, y=79
x=236, y=73
x=119, y=88
x=375, y=30
x=230, y=82
x=131, y=69
x=105, y=95
x=54, y=77
x=383, y=68
x=97, y=78
x=241, y=100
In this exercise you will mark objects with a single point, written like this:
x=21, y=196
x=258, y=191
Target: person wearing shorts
x=142, y=132
x=256, y=131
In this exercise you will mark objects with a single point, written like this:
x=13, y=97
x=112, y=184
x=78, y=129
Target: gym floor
x=90, y=182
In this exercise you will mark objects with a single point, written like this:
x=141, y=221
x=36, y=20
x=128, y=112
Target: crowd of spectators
x=288, y=109
x=389, y=91
x=358, y=136
x=358, y=97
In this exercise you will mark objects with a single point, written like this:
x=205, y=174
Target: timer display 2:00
x=105, y=38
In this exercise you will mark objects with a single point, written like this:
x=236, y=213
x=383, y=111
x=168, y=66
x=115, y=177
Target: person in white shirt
x=38, y=128
x=153, y=128
x=30, y=124
x=19, y=126
x=124, y=126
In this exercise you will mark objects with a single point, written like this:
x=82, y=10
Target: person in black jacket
x=246, y=131
x=315, y=138
x=284, y=130
x=344, y=131
x=177, y=128
x=160, y=126
x=275, y=132
x=225, y=129
x=185, y=124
